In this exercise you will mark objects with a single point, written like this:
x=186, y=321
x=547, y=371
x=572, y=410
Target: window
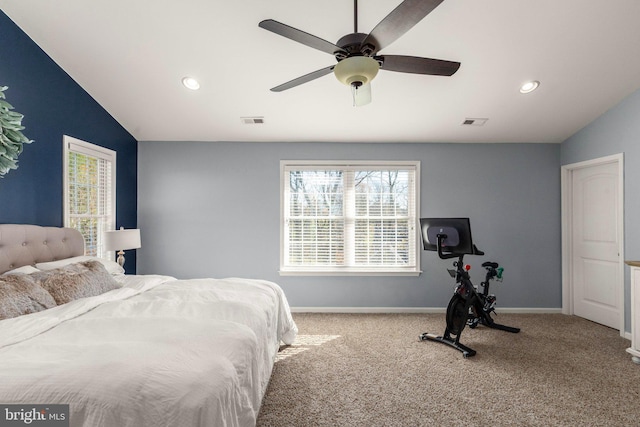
x=349, y=218
x=89, y=192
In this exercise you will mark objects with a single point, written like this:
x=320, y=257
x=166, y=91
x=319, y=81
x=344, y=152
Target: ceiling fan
x=357, y=53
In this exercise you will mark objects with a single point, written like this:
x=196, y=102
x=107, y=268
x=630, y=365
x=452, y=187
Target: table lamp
x=121, y=240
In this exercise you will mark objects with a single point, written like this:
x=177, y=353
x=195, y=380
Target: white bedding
x=157, y=352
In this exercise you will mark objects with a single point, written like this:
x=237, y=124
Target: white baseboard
x=532, y=310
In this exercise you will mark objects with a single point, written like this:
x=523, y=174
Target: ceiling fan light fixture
x=361, y=95
x=529, y=86
x=358, y=70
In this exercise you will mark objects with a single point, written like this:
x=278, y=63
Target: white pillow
x=112, y=267
x=27, y=269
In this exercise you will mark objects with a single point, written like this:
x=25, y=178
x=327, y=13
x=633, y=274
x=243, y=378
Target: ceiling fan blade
x=304, y=79
x=361, y=95
x=417, y=65
x=299, y=36
x=399, y=21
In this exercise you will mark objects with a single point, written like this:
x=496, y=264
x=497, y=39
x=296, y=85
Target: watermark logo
x=34, y=415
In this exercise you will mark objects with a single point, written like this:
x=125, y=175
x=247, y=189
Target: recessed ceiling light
x=190, y=83
x=529, y=86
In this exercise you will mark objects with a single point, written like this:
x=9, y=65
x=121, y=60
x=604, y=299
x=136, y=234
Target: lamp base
x=120, y=259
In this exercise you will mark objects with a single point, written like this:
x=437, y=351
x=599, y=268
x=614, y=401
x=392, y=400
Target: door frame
x=566, y=178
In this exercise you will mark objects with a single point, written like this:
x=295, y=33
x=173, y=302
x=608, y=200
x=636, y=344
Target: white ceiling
x=131, y=55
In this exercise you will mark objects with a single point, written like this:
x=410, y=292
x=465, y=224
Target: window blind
x=90, y=193
x=350, y=218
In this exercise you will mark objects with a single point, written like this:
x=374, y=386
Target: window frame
x=413, y=270
x=75, y=145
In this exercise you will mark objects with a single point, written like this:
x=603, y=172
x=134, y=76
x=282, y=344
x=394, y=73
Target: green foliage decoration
x=11, y=137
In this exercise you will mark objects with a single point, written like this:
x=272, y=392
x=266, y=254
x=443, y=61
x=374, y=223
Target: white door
x=595, y=244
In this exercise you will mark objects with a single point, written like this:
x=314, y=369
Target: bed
x=131, y=350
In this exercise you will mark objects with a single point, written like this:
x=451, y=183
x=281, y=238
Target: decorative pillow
x=27, y=269
x=20, y=294
x=78, y=280
x=111, y=266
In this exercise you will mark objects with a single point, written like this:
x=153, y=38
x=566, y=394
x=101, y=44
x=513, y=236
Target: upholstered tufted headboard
x=29, y=244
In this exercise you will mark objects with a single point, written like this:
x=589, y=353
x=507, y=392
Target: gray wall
x=616, y=131
x=212, y=210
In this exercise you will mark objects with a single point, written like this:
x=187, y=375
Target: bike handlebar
x=442, y=255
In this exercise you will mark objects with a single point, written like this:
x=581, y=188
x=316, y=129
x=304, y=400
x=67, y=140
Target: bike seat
x=490, y=264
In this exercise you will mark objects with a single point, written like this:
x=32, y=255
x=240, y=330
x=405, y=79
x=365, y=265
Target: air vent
x=474, y=122
x=252, y=120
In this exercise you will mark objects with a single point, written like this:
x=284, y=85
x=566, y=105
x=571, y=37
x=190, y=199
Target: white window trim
x=79, y=146
x=351, y=271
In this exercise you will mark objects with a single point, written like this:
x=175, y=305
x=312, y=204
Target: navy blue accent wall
x=55, y=105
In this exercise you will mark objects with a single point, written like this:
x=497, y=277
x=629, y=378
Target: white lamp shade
x=122, y=239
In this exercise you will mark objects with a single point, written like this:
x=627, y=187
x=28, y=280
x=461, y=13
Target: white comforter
x=157, y=352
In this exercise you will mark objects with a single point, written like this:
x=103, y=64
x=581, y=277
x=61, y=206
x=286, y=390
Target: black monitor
x=458, y=235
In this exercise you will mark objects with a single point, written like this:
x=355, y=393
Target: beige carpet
x=371, y=370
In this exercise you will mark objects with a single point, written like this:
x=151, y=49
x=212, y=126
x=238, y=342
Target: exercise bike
x=467, y=306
